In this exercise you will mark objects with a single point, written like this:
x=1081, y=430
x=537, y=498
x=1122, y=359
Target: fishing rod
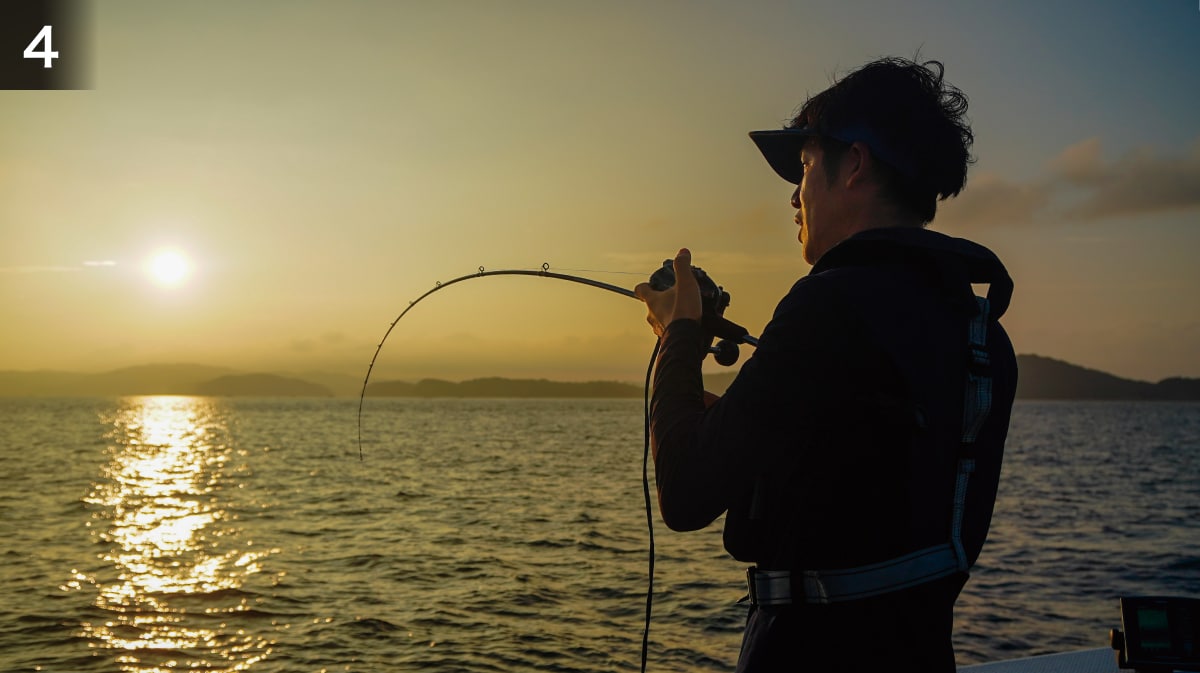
x=713, y=299
x=545, y=272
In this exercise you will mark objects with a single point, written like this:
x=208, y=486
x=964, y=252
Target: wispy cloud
x=992, y=200
x=39, y=269
x=332, y=339
x=1139, y=182
x=1079, y=184
x=727, y=261
x=53, y=268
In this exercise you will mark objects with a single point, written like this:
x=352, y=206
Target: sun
x=168, y=268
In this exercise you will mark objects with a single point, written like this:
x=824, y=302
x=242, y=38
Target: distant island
x=1049, y=379
x=170, y=379
x=501, y=387
x=261, y=385
x=1043, y=378
x=1040, y=378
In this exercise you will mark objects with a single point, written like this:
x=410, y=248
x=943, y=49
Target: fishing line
x=649, y=509
x=739, y=335
x=620, y=273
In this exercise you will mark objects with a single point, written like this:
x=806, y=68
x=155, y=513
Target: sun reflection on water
x=176, y=561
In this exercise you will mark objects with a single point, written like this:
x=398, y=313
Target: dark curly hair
x=913, y=112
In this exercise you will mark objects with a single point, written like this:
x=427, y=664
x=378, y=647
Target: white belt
x=818, y=587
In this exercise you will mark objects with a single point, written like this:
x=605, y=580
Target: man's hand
x=682, y=300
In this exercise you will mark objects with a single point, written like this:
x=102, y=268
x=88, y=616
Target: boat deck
x=1101, y=660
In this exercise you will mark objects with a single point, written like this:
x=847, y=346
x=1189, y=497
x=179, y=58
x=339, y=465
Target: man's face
x=816, y=201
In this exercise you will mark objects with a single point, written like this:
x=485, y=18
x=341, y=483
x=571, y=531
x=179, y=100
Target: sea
x=170, y=534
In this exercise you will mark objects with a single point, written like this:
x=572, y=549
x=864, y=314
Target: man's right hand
x=680, y=301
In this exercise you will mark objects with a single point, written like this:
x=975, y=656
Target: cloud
x=991, y=200
x=727, y=261
x=51, y=268
x=332, y=339
x=1080, y=163
x=303, y=345
x=38, y=269
x=1139, y=182
x=1079, y=184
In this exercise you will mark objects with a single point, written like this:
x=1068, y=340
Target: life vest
x=950, y=556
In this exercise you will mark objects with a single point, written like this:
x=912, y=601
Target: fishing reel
x=714, y=300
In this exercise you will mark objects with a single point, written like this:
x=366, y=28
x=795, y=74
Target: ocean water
x=164, y=534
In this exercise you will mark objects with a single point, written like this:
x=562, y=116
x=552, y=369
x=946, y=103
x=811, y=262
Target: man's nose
x=796, y=198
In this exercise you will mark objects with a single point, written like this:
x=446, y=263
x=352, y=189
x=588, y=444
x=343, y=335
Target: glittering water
x=198, y=534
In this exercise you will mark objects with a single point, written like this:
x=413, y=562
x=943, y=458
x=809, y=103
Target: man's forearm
x=688, y=482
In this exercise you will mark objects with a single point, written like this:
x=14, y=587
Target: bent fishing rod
x=713, y=299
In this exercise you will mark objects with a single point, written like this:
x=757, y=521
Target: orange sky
x=320, y=164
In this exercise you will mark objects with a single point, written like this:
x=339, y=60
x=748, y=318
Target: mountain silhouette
x=1043, y=378
x=501, y=387
x=1039, y=378
x=261, y=385
x=1049, y=379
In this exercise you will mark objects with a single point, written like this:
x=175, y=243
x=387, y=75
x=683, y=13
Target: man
x=857, y=453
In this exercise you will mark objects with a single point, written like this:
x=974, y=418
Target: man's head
x=900, y=124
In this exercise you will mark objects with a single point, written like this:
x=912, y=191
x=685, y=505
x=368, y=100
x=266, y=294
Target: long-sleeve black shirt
x=837, y=443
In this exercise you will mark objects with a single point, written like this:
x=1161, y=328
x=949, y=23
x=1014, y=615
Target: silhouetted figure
x=857, y=452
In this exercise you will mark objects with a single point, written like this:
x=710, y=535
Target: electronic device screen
x=1160, y=633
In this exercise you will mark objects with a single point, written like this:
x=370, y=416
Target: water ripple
x=193, y=534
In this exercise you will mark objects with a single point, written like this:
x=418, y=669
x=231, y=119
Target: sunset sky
x=314, y=166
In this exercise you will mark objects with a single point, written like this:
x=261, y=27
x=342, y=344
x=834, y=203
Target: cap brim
x=781, y=148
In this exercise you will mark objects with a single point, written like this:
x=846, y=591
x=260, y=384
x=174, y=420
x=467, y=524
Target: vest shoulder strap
x=931, y=563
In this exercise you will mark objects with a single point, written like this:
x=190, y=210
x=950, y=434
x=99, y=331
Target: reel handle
x=726, y=352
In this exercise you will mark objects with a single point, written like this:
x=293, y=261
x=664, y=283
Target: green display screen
x=1154, y=629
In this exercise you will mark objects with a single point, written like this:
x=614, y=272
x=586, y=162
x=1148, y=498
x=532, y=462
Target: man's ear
x=857, y=165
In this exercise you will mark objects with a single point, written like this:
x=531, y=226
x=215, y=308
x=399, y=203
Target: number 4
x=46, y=54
